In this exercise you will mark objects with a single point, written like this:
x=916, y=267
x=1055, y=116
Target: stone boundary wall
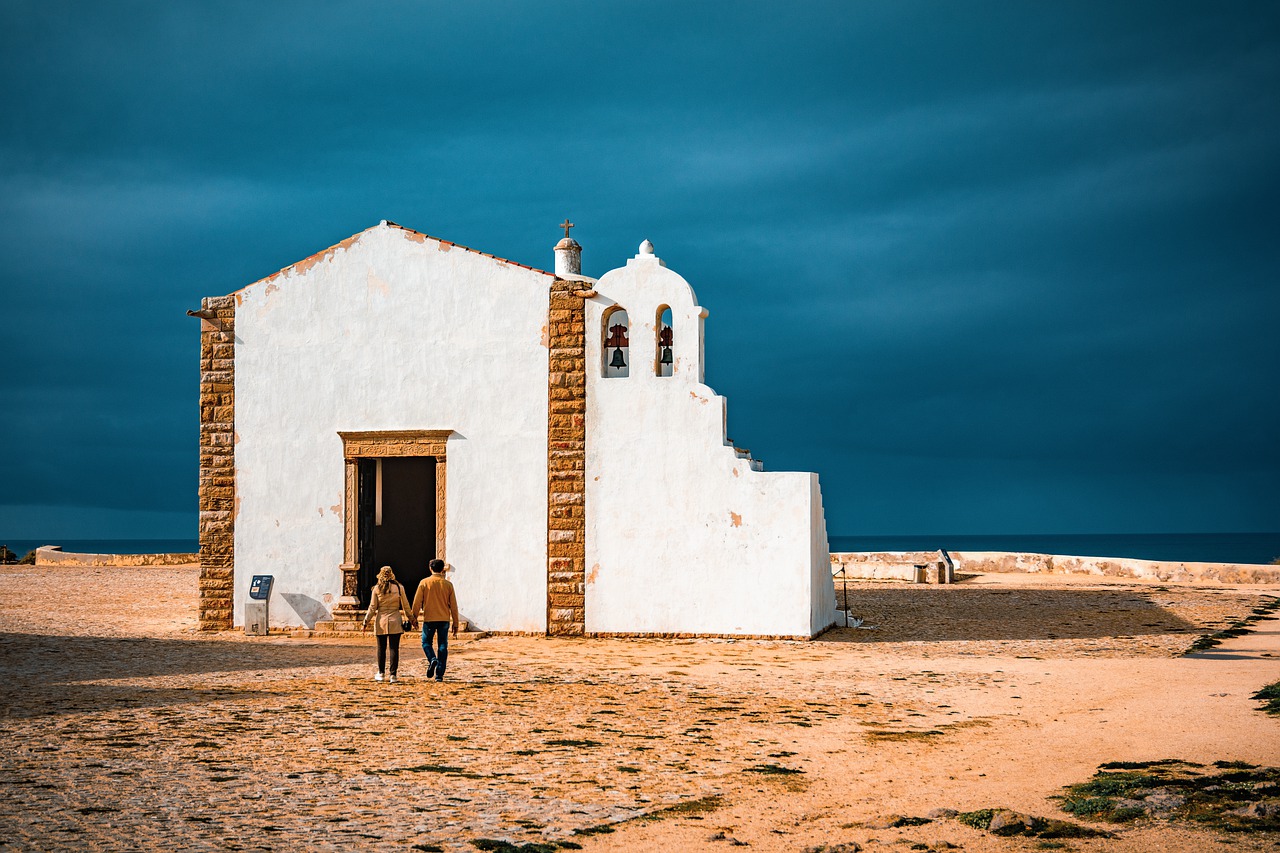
x=892, y=566
x=51, y=555
x=883, y=566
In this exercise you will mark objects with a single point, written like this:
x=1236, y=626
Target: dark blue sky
x=986, y=267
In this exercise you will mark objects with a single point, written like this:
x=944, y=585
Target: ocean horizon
x=1249, y=548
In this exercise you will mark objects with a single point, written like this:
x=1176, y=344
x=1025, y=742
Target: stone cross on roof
x=566, y=225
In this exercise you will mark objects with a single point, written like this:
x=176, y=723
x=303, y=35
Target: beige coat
x=382, y=607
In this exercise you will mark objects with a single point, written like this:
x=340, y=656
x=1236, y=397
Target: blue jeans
x=436, y=659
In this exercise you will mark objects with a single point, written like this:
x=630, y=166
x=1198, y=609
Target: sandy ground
x=126, y=728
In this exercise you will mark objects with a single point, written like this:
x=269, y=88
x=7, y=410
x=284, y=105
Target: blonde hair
x=386, y=578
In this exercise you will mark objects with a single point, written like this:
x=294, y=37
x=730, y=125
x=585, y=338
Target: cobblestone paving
x=125, y=728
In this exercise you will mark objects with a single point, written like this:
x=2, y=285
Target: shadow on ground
x=942, y=613
x=42, y=673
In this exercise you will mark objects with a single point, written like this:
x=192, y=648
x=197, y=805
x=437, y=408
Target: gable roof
x=410, y=234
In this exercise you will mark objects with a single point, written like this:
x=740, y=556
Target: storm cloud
x=986, y=267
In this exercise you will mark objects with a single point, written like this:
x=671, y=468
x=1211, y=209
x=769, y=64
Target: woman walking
x=389, y=608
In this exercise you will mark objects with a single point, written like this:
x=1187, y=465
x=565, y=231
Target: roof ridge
x=314, y=258
x=460, y=246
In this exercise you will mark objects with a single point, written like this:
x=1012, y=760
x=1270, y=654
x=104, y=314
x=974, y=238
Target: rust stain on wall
x=546, y=337
x=595, y=571
x=735, y=519
x=376, y=284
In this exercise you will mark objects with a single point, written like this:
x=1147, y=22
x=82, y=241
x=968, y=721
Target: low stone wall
x=910, y=566
x=52, y=555
x=900, y=566
x=994, y=561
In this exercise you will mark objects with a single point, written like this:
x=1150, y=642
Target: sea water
x=1250, y=548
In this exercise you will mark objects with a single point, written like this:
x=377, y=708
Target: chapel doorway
x=396, y=520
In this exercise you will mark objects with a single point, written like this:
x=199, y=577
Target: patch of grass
x=1235, y=629
x=1114, y=784
x=686, y=809
x=1269, y=696
x=599, y=829
x=1088, y=806
x=1141, y=765
x=901, y=820
x=1206, y=798
x=892, y=736
x=979, y=819
x=498, y=845
x=772, y=770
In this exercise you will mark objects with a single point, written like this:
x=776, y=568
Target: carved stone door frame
x=381, y=445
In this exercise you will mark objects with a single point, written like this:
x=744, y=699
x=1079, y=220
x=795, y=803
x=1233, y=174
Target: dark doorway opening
x=397, y=520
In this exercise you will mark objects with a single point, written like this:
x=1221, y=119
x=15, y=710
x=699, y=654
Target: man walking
x=439, y=607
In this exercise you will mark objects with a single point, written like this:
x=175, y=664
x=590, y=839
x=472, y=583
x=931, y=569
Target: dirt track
x=127, y=728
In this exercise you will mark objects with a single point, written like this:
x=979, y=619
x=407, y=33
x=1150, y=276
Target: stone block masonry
x=217, y=490
x=566, y=461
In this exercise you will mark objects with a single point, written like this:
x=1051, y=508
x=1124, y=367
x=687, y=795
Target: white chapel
x=396, y=398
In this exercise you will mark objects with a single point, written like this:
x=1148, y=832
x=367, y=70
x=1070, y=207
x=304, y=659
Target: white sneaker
x=378, y=677
x=394, y=680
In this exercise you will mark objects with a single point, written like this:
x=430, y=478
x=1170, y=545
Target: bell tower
x=567, y=442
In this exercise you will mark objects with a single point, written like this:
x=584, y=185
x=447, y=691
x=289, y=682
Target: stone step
x=353, y=626
x=357, y=634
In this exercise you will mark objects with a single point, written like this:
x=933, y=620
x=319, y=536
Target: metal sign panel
x=260, y=588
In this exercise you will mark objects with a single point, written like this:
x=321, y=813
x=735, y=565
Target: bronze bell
x=618, y=359
x=666, y=356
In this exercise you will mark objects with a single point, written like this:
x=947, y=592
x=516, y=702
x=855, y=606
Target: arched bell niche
x=664, y=352
x=617, y=348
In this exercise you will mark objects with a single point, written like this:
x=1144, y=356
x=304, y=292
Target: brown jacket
x=383, y=607
x=436, y=600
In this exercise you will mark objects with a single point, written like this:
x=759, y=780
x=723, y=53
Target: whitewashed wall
x=683, y=535
x=393, y=331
